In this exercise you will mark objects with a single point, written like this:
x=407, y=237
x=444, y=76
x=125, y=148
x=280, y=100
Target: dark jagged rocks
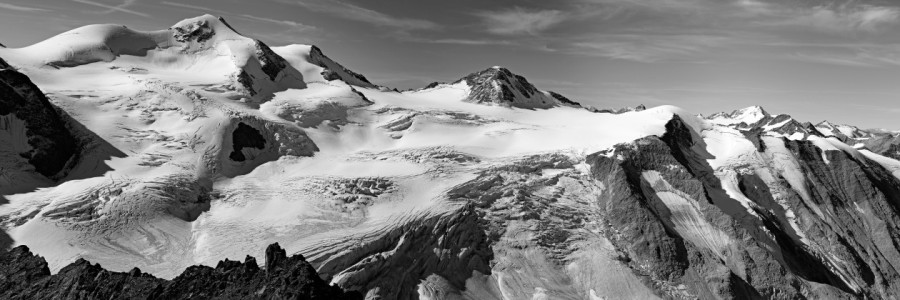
x=245, y=136
x=199, y=32
x=432, y=85
x=563, y=99
x=24, y=275
x=272, y=64
x=52, y=144
x=640, y=107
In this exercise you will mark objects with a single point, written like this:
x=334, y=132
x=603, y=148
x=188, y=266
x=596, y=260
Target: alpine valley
x=165, y=156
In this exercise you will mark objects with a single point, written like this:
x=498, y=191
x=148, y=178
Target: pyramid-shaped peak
x=498, y=74
x=747, y=115
x=826, y=123
x=500, y=86
x=497, y=70
x=755, y=109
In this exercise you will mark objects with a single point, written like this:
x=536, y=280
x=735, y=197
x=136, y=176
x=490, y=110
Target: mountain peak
x=494, y=73
x=499, y=85
x=841, y=131
x=203, y=28
x=755, y=109
x=748, y=115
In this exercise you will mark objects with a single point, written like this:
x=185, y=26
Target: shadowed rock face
x=887, y=145
x=680, y=228
x=245, y=137
x=450, y=247
x=52, y=145
x=26, y=276
x=335, y=71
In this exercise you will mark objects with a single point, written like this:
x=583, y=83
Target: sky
x=815, y=60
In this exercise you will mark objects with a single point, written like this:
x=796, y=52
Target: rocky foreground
x=24, y=275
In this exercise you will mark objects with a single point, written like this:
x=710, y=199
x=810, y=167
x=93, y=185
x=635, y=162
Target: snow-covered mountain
x=195, y=144
x=756, y=118
x=842, y=131
x=498, y=86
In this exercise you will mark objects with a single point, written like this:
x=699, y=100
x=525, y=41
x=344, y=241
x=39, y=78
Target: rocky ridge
x=24, y=275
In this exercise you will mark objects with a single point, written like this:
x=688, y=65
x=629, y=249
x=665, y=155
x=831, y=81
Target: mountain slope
x=43, y=145
x=33, y=130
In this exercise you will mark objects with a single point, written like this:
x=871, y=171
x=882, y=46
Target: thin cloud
x=361, y=14
x=20, y=8
x=518, y=21
x=648, y=49
x=293, y=24
x=194, y=7
x=115, y=8
x=298, y=27
x=846, y=18
x=472, y=42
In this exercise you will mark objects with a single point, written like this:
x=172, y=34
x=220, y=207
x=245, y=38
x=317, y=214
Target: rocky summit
x=172, y=157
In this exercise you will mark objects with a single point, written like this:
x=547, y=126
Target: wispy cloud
x=194, y=7
x=648, y=48
x=518, y=20
x=702, y=31
x=847, y=17
x=476, y=42
x=115, y=8
x=20, y=8
x=296, y=26
x=362, y=14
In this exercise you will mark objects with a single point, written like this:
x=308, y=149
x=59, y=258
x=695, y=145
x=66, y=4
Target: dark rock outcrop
x=271, y=63
x=623, y=110
x=52, y=145
x=451, y=246
x=199, y=31
x=335, y=71
x=245, y=136
x=497, y=85
x=563, y=99
x=24, y=275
